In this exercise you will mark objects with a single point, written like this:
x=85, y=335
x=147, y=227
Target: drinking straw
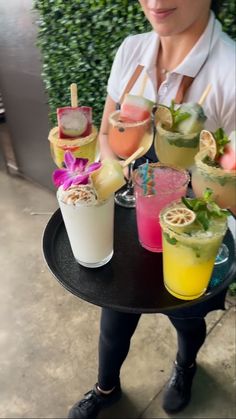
x=74, y=95
x=146, y=174
x=137, y=153
x=204, y=95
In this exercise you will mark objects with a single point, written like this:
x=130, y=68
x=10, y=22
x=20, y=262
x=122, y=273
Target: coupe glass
x=125, y=138
x=223, y=184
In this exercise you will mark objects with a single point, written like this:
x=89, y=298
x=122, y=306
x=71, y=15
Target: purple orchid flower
x=76, y=171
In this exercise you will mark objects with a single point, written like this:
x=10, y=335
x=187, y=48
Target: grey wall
x=23, y=91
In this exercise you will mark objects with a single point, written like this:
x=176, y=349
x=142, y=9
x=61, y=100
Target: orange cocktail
x=126, y=137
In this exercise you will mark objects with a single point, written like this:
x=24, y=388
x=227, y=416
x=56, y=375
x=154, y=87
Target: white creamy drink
x=89, y=224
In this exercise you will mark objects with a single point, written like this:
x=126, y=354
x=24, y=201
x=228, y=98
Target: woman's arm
x=105, y=150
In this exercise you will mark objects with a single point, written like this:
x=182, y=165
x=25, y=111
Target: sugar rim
x=211, y=170
x=120, y=124
x=163, y=166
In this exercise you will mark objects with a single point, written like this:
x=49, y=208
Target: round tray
x=132, y=281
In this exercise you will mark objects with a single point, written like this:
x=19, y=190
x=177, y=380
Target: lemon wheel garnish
x=179, y=217
x=164, y=116
x=208, y=143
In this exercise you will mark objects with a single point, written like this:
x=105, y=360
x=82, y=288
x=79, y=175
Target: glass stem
x=130, y=185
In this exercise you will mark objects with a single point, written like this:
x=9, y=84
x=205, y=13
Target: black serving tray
x=132, y=281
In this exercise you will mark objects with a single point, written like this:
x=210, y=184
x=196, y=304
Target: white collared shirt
x=211, y=60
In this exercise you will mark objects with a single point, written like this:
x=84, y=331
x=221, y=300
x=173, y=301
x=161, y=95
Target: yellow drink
x=189, y=255
x=83, y=147
x=173, y=148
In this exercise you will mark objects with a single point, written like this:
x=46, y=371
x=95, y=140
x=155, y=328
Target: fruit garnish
x=177, y=115
x=228, y=159
x=205, y=208
x=208, y=160
x=77, y=171
x=164, y=116
x=135, y=108
x=207, y=143
x=221, y=141
x=179, y=217
x=194, y=123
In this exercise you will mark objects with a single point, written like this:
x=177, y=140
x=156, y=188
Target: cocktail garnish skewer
x=204, y=95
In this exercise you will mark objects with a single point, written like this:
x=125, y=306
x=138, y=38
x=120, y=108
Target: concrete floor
x=48, y=337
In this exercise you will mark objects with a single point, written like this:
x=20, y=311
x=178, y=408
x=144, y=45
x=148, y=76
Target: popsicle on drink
x=195, y=121
x=110, y=177
x=74, y=132
x=178, y=129
x=135, y=108
x=74, y=121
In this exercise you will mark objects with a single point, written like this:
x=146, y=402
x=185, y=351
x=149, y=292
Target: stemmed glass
x=223, y=184
x=125, y=138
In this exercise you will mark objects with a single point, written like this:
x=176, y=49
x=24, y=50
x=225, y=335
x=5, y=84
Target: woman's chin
x=163, y=30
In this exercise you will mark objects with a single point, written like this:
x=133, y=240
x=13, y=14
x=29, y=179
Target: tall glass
x=90, y=230
x=189, y=255
x=83, y=147
x=223, y=184
x=165, y=184
x=124, y=139
x=173, y=148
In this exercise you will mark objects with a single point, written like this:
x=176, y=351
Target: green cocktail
x=222, y=182
x=177, y=134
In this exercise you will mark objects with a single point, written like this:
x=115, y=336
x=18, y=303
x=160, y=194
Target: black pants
x=116, y=332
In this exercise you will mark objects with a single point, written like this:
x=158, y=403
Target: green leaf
x=205, y=208
x=203, y=219
x=169, y=239
x=179, y=117
x=221, y=140
x=207, y=195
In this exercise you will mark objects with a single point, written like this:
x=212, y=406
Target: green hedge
x=78, y=40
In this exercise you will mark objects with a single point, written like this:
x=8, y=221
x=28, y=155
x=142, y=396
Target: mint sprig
x=221, y=141
x=205, y=208
x=177, y=115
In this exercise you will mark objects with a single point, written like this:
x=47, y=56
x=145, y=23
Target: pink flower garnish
x=76, y=171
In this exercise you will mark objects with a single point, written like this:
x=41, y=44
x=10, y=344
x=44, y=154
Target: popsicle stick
x=143, y=85
x=74, y=95
x=133, y=156
x=204, y=95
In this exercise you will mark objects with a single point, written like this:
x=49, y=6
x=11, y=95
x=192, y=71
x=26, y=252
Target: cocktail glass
x=222, y=183
x=124, y=139
x=156, y=185
x=83, y=147
x=189, y=255
x=173, y=148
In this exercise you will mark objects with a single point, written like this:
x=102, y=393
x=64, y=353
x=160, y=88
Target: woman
x=185, y=51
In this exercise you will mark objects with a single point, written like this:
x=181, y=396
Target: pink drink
x=167, y=184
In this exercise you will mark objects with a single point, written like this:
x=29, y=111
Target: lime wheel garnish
x=207, y=143
x=164, y=116
x=179, y=217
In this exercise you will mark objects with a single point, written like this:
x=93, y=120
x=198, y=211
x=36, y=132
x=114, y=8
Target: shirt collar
x=192, y=63
x=195, y=59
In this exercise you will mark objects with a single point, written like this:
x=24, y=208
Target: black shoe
x=177, y=393
x=93, y=403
